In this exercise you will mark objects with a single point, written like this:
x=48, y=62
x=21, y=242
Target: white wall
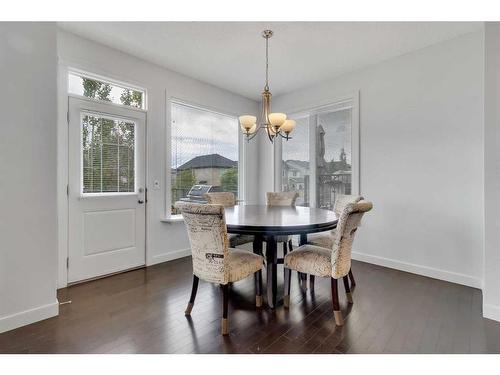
x=421, y=163
x=491, y=290
x=28, y=229
x=165, y=241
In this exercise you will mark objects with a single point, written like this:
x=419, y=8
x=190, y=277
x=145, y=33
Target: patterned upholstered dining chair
x=325, y=239
x=285, y=198
x=225, y=198
x=333, y=262
x=228, y=199
x=213, y=260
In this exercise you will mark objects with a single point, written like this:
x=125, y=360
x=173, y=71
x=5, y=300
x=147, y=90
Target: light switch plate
x=156, y=185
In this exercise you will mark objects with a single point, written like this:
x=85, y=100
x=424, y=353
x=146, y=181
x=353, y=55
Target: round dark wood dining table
x=265, y=223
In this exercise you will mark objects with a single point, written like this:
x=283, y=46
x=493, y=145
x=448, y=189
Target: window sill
x=172, y=219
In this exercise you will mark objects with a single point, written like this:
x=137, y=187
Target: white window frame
x=335, y=104
x=121, y=84
x=241, y=152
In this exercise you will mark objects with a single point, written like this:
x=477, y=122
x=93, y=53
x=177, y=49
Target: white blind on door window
x=108, y=147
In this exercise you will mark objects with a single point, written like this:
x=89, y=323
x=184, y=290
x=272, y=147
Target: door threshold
x=104, y=276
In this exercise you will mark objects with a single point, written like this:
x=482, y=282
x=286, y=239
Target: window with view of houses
x=330, y=152
x=333, y=156
x=204, y=153
x=295, y=165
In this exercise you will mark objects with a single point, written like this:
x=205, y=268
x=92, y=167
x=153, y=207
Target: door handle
x=141, y=201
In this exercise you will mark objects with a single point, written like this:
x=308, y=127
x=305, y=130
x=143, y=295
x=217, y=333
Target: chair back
x=285, y=198
x=226, y=199
x=207, y=232
x=344, y=199
x=349, y=221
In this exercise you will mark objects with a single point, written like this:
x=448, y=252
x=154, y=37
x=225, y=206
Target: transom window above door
x=104, y=90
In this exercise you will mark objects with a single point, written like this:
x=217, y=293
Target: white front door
x=106, y=195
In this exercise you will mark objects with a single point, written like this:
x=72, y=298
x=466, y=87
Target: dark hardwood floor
x=142, y=311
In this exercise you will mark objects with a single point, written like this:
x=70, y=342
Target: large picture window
x=321, y=168
x=333, y=156
x=295, y=175
x=204, y=153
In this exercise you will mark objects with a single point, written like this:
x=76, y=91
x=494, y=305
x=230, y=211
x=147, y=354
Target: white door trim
x=62, y=174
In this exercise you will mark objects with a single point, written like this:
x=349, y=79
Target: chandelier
x=275, y=124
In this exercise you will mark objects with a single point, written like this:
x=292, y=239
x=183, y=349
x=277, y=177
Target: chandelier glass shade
x=275, y=124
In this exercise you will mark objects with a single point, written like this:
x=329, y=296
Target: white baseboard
x=491, y=312
x=453, y=277
x=165, y=257
x=29, y=316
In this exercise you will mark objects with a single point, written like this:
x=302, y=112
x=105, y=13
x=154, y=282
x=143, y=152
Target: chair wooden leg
x=225, y=302
x=303, y=281
x=258, y=293
x=257, y=249
x=271, y=265
x=311, y=282
x=347, y=289
x=285, y=251
x=339, y=320
x=193, y=296
x=351, y=277
x=302, y=276
x=287, y=282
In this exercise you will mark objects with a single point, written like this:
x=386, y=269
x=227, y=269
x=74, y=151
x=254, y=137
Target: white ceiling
x=230, y=55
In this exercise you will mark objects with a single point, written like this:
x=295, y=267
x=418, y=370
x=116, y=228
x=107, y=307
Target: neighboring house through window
x=295, y=164
x=204, y=153
x=329, y=155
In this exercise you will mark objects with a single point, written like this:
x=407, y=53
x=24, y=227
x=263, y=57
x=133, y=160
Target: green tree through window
x=229, y=180
x=108, y=147
x=96, y=90
x=131, y=98
x=108, y=92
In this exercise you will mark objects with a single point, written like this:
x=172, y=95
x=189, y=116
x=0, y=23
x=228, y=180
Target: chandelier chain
x=267, y=65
